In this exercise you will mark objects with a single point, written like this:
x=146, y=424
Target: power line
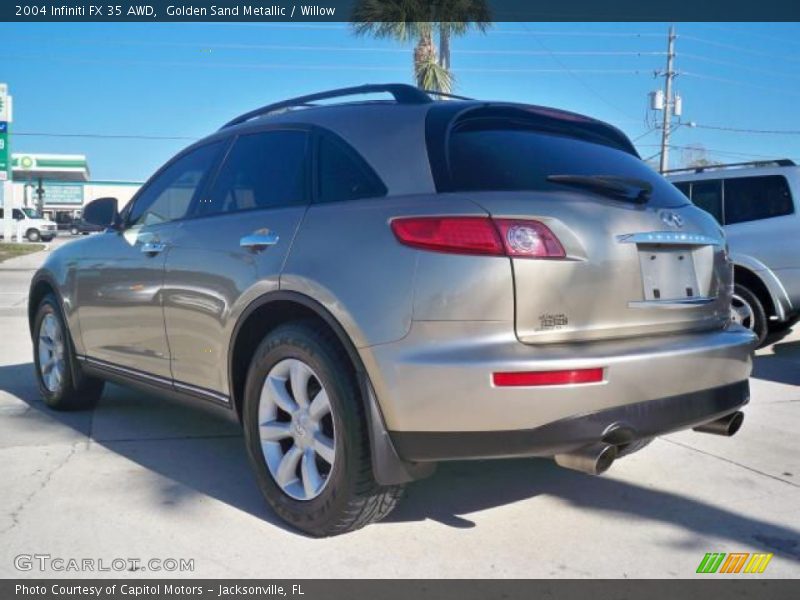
x=739, y=82
x=645, y=134
x=318, y=67
x=370, y=49
x=103, y=136
x=576, y=33
x=762, y=36
x=712, y=150
x=580, y=80
x=219, y=65
x=493, y=30
x=739, y=48
x=551, y=71
x=740, y=66
x=737, y=130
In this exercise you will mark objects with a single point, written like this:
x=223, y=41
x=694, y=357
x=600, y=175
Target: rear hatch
x=638, y=258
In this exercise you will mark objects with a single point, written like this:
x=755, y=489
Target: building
x=59, y=185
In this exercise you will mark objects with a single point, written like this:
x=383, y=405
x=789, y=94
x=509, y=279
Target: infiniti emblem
x=671, y=218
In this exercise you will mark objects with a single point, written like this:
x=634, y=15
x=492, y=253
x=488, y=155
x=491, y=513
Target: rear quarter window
x=343, y=175
x=756, y=198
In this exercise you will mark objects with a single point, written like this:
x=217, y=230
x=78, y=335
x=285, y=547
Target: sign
x=5, y=104
x=67, y=194
x=5, y=156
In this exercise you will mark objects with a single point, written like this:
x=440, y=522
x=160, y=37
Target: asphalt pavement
x=141, y=477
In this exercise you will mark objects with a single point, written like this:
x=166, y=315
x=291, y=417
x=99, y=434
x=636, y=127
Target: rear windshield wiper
x=620, y=188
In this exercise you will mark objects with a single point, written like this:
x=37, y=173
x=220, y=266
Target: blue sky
x=186, y=79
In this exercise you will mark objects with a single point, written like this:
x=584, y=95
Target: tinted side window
x=170, y=194
x=262, y=170
x=708, y=196
x=754, y=198
x=343, y=175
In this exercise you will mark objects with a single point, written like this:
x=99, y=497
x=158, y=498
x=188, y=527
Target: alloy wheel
x=296, y=428
x=742, y=312
x=51, y=353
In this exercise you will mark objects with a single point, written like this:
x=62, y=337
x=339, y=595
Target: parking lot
x=143, y=477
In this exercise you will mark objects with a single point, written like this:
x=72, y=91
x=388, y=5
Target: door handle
x=258, y=240
x=153, y=248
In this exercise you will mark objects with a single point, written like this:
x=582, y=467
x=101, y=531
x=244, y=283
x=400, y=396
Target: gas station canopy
x=54, y=167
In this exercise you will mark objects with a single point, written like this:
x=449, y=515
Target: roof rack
x=445, y=95
x=403, y=94
x=778, y=162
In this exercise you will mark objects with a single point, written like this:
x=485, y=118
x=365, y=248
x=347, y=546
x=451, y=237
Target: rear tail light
x=529, y=239
x=534, y=378
x=523, y=238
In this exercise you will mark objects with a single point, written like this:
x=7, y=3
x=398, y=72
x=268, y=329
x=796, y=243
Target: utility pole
x=669, y=101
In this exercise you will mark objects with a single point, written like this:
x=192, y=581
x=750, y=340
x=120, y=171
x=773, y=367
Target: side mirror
x=102, y=212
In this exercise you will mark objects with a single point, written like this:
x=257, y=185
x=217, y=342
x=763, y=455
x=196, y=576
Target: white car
x=32, y=226
x=757, y=205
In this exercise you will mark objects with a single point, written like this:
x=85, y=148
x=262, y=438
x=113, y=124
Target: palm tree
x=406, y=20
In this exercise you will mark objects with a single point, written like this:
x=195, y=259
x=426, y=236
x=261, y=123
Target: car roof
x=378, y=128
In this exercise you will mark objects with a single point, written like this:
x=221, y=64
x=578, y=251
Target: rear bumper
x=438, y=379
x=619, y=425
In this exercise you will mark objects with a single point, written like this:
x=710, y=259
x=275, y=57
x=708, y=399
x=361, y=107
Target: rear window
x=520, y=159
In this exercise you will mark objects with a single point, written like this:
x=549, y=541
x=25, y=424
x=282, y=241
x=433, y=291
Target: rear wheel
x=74, y=231
x=306, y=434
x=748, y=311
x=54, y=360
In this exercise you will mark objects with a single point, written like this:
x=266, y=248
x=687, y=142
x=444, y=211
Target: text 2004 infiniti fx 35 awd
x=374, y=287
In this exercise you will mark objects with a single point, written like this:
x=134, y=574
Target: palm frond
x=430, y=75
x=402, y=20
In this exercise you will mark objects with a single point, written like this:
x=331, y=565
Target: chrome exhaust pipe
x=726, y=426
x=593, y=459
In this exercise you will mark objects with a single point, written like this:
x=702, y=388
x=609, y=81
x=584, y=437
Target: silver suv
x=374, y=287
x=756, y=204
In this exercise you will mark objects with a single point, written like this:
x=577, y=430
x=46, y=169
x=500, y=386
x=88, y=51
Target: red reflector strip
x=460, y=235
x=532, y=378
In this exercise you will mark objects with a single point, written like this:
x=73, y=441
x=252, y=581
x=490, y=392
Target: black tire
x=781, y=326
x=33, y=235
x=351, y=498
x=77, y=391
x=74, y=231
x=758, y=323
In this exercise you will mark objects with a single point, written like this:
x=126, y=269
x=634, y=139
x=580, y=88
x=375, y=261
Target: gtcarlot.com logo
x=735, y=562
x=47, y=562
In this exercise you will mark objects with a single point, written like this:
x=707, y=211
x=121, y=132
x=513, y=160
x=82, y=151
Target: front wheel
x=74, y=231
x=33, y=235
x=306, y=434
x=62, y=386
x=747, y=310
